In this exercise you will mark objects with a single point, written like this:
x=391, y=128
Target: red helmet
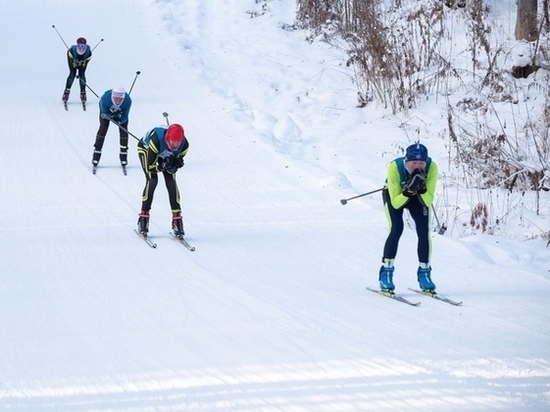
x=81, y=40
x=174, y=136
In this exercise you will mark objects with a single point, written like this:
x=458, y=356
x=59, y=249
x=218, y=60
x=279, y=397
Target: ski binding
x=394, y=296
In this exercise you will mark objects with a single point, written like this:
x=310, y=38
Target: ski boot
x=177, y=224
x=123, y=156
x=83, y=97
x=143, y=222
x=65, y=96
x=386, y=278
x=96, y=157
x=425, y=280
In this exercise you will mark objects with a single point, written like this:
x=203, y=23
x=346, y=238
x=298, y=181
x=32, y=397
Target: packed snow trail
x=271, y=310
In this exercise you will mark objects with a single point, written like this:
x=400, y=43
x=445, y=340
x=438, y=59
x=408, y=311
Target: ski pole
x=96, y=95
x=442, y=228
x=344, y=201
x=60, y=36
x=97, y=44
x=107, y=117
x=134, y=82
x=166, y=117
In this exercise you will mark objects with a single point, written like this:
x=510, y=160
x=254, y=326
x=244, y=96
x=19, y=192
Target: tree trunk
x=526, y=23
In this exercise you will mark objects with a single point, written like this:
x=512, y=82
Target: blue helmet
x=416, y=151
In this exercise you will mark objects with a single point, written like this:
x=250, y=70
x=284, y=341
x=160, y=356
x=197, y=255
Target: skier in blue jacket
x=162, y=150
x=78, y=57
x=114, y=105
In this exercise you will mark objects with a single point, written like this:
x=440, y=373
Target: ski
x=124, y=170
x=182, y=240
x=393, y=296
x=146, y=239
x=84, y=106
x=94, y=169
x=435, y=296
x=66, y=106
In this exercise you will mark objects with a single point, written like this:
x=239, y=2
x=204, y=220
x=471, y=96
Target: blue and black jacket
x=154, y=148
x=106, y=105
x=79, y=60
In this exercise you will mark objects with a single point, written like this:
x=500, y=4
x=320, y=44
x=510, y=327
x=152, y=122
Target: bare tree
x=526, y=23
x=546, y=14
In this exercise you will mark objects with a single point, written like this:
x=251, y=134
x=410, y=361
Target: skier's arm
x=427, y=197
x=395, y=189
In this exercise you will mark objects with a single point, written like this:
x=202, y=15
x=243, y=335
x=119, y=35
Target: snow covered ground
x=270, y=312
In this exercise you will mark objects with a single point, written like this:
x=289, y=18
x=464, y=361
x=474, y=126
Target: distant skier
x=78, y=57
x=162, y=150
x=114, y=105
x=410, y=184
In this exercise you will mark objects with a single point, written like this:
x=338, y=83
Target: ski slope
x=270, y=313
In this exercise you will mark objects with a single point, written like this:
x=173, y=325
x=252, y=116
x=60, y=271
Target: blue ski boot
x=425, y=280
x=386, y=278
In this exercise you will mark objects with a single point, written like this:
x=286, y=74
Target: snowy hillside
x=270, y=313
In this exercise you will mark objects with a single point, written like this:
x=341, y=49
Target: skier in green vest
x=410, y=185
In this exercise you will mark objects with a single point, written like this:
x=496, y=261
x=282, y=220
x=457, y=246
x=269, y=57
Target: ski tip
x=146, y=239
x=182, y=240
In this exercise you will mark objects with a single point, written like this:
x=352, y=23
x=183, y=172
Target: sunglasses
x=81, y=46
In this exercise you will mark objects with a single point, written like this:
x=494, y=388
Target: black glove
x=166, y=164
x=115, y=113
x=170, y=164
x=178, y=162
x=162, y=163
x=416, y=183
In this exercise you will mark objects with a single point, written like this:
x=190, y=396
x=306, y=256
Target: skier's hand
x=416, y=182
x=163, y=163
x=116, y=113
x=178, y=162
x=170, y=165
